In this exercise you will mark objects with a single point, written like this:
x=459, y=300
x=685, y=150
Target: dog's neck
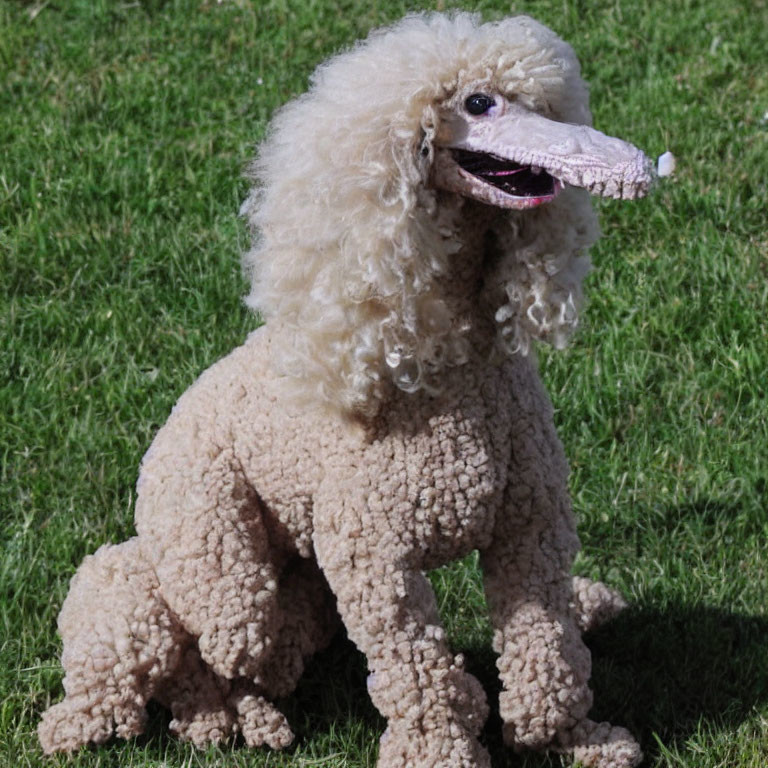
x=469, y=223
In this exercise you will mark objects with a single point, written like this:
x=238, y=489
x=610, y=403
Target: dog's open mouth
x=522, y=181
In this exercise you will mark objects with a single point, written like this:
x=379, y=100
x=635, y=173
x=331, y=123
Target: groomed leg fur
x=593, y=603
x=434, y=709
x=120, y=641
x=204, y=533
x=208, y=708
x=123, y=647
x=309, y=622
x=539, y=610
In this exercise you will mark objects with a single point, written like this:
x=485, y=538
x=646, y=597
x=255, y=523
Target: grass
x=125, y=128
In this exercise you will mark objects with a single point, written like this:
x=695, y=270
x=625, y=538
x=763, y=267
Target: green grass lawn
x=124, y=130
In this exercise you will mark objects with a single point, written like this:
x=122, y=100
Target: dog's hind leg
x=309, y=622
x=204, y=532
x=207, y=707
x=197, y=698
x=593, y=603
x=258, y=719
x=119, y=640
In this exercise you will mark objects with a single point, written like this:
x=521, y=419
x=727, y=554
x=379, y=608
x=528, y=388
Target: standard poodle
x=422, y=216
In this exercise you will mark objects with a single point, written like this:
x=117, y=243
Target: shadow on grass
x=332, y=693
x=659, y=673
x=663, y=672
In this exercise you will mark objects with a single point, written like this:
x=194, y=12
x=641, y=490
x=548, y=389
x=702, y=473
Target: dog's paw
x=444, y=746
x=601, y=745
x=593, y=603
x=259, y=720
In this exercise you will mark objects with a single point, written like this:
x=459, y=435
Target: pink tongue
x=504, y=173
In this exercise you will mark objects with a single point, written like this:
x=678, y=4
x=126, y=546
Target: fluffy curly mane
x=354, y=245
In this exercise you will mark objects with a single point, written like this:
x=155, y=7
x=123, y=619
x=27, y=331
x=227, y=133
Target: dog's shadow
x=659, y=673
x=665, y=673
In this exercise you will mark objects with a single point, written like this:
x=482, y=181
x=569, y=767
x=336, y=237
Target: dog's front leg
x=543, y=664
x=434, y=708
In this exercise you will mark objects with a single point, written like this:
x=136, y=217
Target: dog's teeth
x=536, y=170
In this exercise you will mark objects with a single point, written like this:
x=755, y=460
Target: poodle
x=422, y=217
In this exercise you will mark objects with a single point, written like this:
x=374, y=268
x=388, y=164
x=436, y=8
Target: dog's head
x=354, y=176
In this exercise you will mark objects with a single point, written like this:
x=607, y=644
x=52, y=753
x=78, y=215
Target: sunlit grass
x=124, y=130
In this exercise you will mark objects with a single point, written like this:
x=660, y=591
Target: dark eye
x=478, y=103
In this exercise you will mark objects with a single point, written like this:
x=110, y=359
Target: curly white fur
x=343, y=205
x=259, y=525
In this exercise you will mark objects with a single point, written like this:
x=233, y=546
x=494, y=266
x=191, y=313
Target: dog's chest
x=443, y=478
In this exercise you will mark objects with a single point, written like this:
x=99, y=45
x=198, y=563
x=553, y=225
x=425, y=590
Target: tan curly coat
x=389, y=418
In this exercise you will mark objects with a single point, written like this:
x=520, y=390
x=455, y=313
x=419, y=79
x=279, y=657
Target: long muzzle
x=575, y=154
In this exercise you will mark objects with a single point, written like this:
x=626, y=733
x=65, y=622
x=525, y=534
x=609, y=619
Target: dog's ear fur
x=535, y=285
x=430, y=125
x=348, y=250
x=347, y=244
